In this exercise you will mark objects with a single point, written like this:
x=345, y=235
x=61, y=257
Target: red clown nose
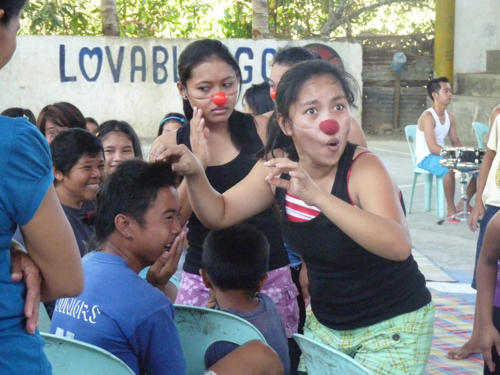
x=329, y=127
x=219, y=99
x=272, y=93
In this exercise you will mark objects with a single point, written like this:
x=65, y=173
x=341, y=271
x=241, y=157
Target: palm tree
x=260, y=24
x=110, y=25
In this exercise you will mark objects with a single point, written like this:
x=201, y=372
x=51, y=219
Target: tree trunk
x=110, y=25
x=260, y=22
x=342, y=12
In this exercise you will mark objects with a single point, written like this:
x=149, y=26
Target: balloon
x=329, y=127
x=219, y=99
x=272, y=93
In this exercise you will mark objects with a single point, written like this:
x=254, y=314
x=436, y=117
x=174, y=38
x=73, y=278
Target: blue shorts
x=432, y=164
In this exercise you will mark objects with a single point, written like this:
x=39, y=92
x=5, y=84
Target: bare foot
x=469, y=348
x=460, y=206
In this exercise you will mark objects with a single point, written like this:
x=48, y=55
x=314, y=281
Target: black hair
x=258, y=99
x=236, y=258
x=69, y=146
x=241, y=125
x=288, y=90
x=199, y=52
x=122, y=127
x=91, y=120
x=11, y=8
x=130, y=190
x=62, y=114
x=434, y=85
x=289, y=56
x=20, y=112
x=172, y=116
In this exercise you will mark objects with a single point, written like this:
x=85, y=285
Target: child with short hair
x=78, y=166
x=234, y=266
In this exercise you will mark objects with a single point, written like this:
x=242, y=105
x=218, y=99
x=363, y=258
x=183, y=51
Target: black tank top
x=223, y=177
x=351, y=287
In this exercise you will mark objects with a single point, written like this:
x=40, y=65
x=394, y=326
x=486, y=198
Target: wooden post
x=397, y=92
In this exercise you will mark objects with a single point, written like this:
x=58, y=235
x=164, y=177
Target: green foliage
x=290, y=19
x=74, y=17
x=296, y=19
x=237, y=21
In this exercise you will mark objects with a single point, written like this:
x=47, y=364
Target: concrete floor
x=450, y=246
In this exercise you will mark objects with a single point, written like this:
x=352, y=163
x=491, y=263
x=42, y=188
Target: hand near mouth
x=198, y=136
x=165, y=266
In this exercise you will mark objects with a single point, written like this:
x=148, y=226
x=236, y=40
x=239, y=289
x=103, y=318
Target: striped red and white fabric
x=297, y=210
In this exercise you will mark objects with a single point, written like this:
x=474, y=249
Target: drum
x=469, y=157
x=448, y=157
x=462, y=157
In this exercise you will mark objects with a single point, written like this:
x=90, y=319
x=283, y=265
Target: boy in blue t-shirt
x=234, y=267
x=137, y=225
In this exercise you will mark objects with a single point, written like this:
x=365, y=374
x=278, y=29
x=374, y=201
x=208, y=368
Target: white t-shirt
x=491, y=193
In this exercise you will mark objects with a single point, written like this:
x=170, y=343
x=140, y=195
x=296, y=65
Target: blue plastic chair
x=74, y=357
x=200, y=327
x=43, y=319
x=410, y=133
x=480, y=130
x=321, y=359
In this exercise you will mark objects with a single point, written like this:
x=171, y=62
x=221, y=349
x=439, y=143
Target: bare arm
x=356, y=134
x=494, y=113
x=455, y=141
x=158, y=148
x=247, y=198
x=24, y=269
x=51, y=243
x=426, y=124
x=478, y=209
x=251, y=358
x=198, y=136
x=377, y=223
x=486, y=280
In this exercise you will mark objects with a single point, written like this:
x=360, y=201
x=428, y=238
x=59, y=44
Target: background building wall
x=128, y=79
x=476, y=30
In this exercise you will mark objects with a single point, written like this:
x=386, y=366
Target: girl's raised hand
x=198, y=136
x=300, y=184
x=184, y=162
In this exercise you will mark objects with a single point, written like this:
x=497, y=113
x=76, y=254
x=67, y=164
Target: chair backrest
x=480, y=130
x=411, y=134
x=74, y=357
x=43, y=319
x=321, y=359
x=200, y=327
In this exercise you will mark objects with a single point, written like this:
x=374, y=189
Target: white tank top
x=440, y=132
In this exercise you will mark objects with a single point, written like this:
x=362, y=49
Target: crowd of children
x=243, y=189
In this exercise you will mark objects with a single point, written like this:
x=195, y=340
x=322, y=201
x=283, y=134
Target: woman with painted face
x=340, y=210
x=28, y=200
x=225, y=141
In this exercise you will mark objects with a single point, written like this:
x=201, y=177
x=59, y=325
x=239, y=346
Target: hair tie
x=172, y=118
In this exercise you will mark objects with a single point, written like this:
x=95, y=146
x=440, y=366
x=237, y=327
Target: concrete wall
x=127, y=79
x=379, y=90
x=476, y=30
